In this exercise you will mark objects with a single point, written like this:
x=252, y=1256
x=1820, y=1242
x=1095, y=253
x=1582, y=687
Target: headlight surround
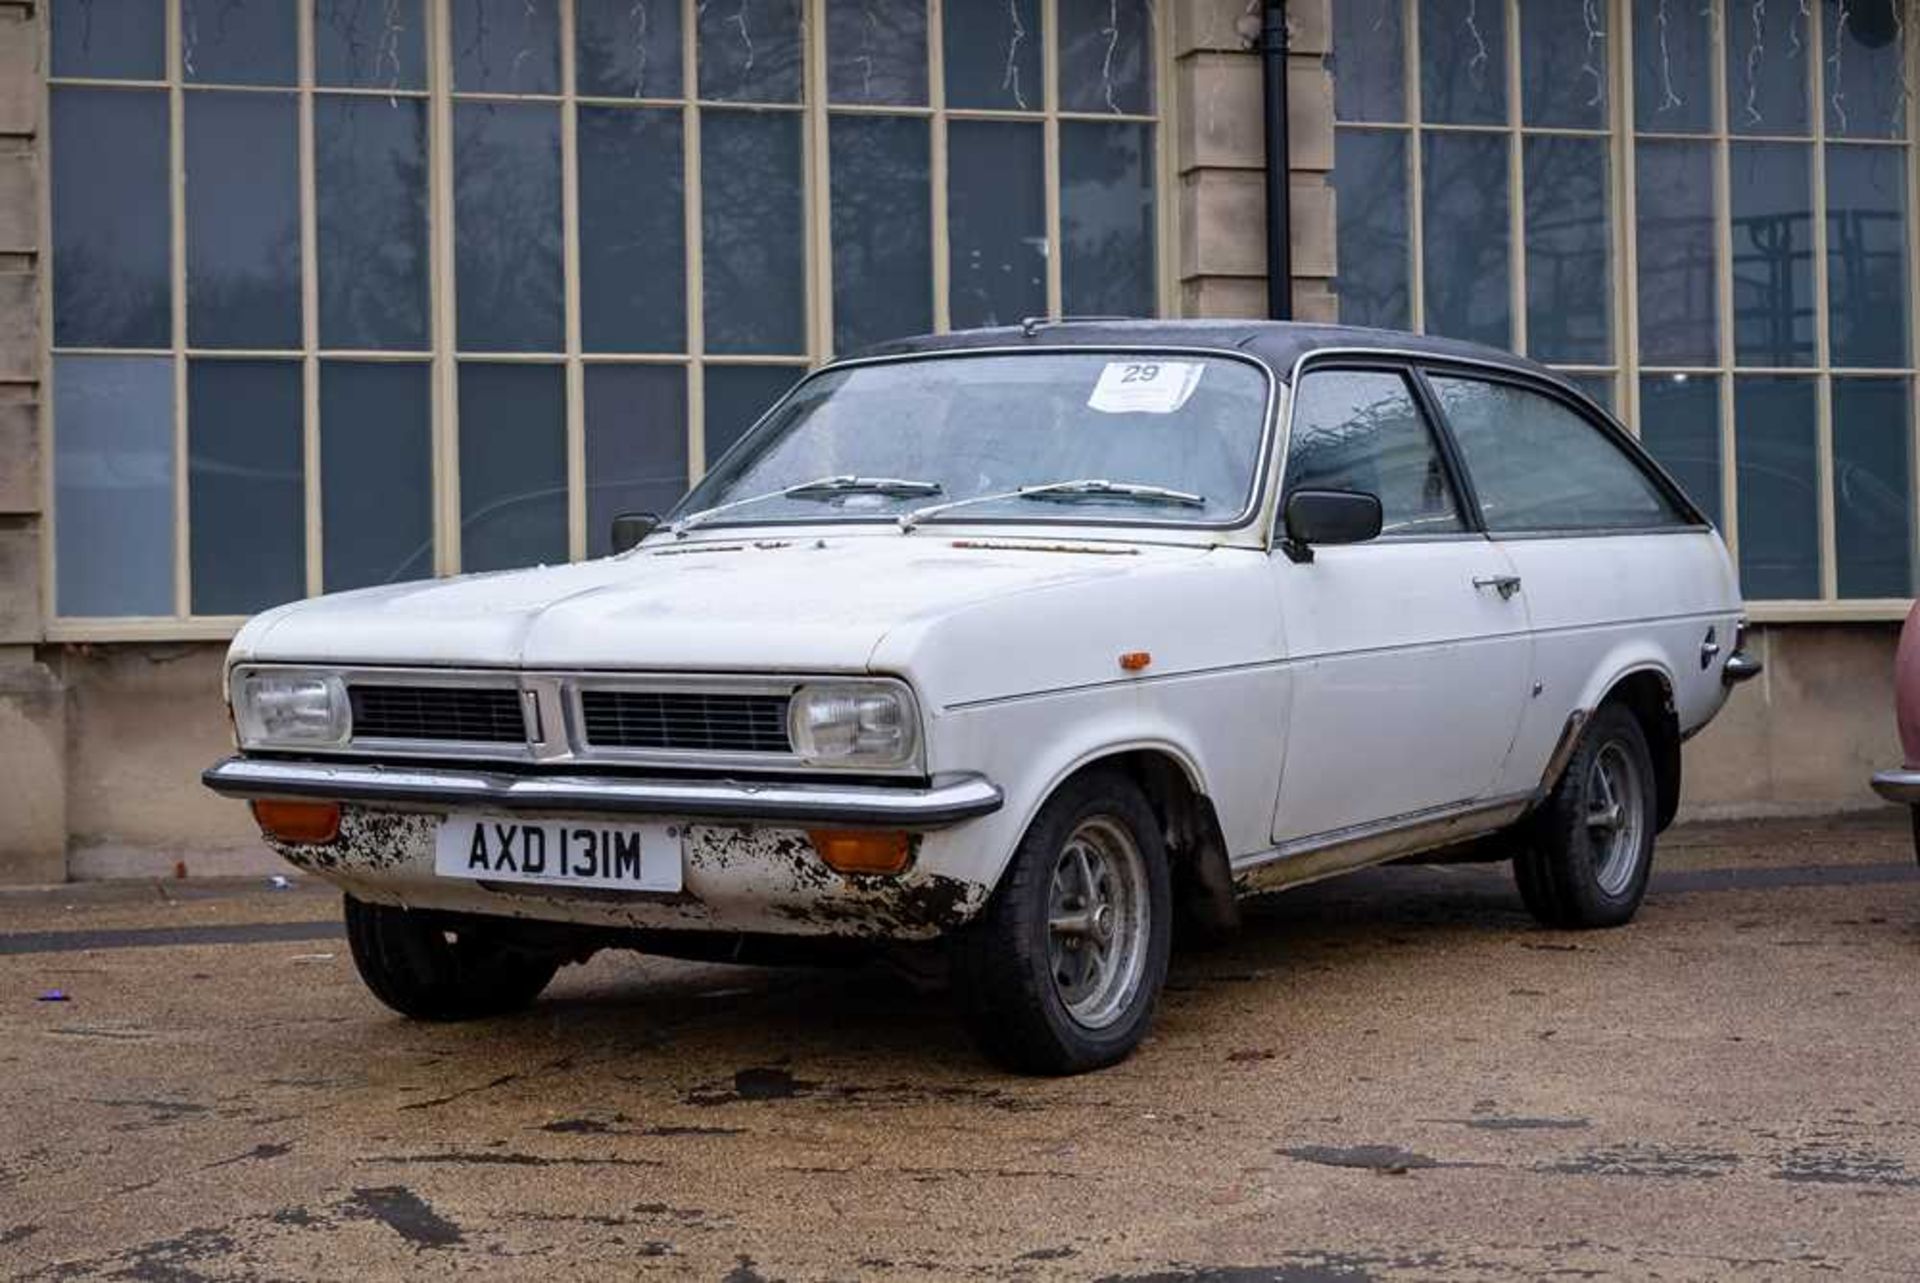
x=290, y=708
x=868, y=724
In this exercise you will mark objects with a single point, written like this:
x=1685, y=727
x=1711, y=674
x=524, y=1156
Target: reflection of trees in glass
x=628, y=48
x=749, y=50
x=1362, y=432
x=1106, y=219
x=506, y=179
x=1569, y=277
x=110, y=224
x=371, y=221
x=751, y=226
x=1370, y=185
x=1465, y=200
x=882, y=235
x=243, y=221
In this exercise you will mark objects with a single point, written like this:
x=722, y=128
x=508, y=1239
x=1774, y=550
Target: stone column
x=33, y=803
x=1220, y=154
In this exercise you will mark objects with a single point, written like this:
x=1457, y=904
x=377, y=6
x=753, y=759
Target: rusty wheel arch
x=1648, y=695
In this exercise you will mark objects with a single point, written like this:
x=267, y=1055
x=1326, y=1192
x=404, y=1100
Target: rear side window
x=1537, y=464
x=1362, y=430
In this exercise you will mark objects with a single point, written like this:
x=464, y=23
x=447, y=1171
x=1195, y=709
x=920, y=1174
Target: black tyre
x=1061, y=971
x=435, y=967
x=1589, y=848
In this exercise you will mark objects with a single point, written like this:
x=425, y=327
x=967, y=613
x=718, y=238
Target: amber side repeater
x=1135, y=660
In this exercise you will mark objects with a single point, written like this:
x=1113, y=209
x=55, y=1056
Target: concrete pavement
x=1395, y=1075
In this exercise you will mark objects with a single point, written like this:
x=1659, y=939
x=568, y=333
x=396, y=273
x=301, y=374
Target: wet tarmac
x=1391, y=1076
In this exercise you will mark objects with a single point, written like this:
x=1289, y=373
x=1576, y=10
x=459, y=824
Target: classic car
x=1024, y=642
x=1902, y=784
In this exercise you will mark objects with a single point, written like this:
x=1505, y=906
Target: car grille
x=472, y=715
x=693, y=721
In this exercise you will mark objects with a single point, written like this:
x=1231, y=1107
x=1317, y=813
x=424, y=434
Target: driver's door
x=1410, y=653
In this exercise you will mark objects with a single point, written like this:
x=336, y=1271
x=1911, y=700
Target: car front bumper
x=1902, y=786
x=947, y=801
x=748, y=859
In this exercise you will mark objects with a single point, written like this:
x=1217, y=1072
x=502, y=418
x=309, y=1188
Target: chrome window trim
x=556, y=726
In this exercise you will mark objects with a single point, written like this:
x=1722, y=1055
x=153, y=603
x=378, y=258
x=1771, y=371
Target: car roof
x=1279, y=343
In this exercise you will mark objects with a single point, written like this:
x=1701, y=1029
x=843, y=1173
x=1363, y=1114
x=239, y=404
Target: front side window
x=1362, y=430
x=1181, y=432
x=1537, y=464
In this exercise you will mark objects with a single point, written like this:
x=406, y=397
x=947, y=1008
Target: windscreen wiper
x=818, y=488
x=1066, y=492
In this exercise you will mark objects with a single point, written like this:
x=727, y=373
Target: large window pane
x=110, y=39
x=111, y=285
x=1680, y=426
x=506, y=245
x=737, y=395
x=627, y=48
x=996, y=220
x=882, y=233
x=1672, y=66
x=1674, y=209
x=876, y=53
x=753, y=231
x=1873, y=487
x=1773, y=303
x=376, y=473
x=243, y=221
x=633, y=232
x=1463, y=62
x=1778, y=488
x=113, y=485
x=370, y=188
x=993, y=55
x=1375, y=251
x=246, y=485
x=1866, y=85
x=238, y=42
x=1106, y=219
x=1465, y=202
x=506, y=46
x=1369, y=60
x=1563, y=63
x=750, y=50
x=1769, y=57
x=513, y=465
x=1106, y=55
x=370, y=44
x=636, y=444
x=1569, y=250
x=1867, y=232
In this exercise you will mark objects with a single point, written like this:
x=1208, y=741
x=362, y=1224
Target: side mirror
x=1328, y=517
x=629, y=528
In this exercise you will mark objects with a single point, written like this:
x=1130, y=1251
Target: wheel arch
x=1646, y=691
x=1196, y=844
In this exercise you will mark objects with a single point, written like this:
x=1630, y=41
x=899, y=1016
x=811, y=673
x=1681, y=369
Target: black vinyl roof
x=1279, y=343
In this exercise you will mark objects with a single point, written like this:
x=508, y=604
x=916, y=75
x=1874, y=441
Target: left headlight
x=290, y=708
x=871, y=724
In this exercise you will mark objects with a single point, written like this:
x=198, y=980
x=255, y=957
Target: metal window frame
x=443, y=356
x=1627, y=369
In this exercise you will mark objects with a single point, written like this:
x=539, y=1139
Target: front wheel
x=1061, y=971
x=1589, y=848
x=437, y=967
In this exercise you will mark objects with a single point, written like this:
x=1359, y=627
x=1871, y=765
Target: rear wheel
x=439, y=967
x=1061, y=971
x=1589, y=848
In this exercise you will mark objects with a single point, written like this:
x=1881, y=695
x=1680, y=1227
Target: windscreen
x=970, y=427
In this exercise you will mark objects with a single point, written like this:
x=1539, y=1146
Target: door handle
x=1505, y=585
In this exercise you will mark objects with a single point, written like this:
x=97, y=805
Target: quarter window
x=1362, y=430
x=1537, y=464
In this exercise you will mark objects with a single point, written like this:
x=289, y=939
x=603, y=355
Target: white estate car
x=1027, y=640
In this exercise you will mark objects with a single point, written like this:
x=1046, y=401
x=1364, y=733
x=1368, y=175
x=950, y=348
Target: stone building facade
x=107, y=715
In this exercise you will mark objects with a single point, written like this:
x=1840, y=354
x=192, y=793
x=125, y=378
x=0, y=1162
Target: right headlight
x=873, y=724
x=290, y=708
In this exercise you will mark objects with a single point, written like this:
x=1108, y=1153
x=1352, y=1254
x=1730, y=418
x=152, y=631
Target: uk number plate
x=567, y=853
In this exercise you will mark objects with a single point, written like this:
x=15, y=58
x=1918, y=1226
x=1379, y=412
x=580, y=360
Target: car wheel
x=1061, y=971
x=1589, y=848
x=433, y=967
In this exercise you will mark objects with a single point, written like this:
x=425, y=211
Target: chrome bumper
x=1740, y=667
x=950, y=800
x=1902, y=786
